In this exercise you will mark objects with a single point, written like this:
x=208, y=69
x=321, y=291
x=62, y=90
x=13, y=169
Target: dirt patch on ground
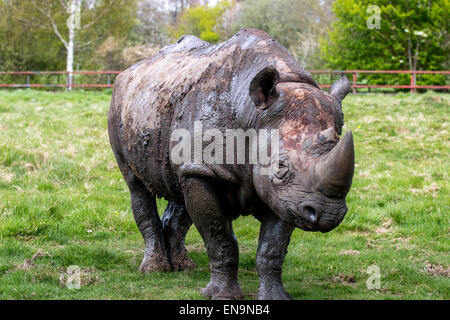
x=344, y=279
x=349, y=252
x=40, y=254
x=431, y=189
x=402, y=243
x=85, y=276
x=434, y=269
x=384, y=228
x=372, y=244
x=28, y=264
x=358, y=233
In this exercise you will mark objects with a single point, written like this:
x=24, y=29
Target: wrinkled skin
x=249, y=81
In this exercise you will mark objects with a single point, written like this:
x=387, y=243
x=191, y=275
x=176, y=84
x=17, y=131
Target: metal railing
x=354, y=75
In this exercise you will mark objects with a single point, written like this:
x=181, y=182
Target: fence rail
x=412, y=86
x=354, y=73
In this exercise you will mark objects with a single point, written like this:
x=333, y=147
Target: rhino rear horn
x=334, y=172
x=340, y=89
x=262, y=88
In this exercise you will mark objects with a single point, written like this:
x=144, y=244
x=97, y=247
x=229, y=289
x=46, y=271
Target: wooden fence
x=413, y=86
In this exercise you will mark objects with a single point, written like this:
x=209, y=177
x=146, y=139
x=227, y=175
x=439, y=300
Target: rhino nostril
x=311, y=214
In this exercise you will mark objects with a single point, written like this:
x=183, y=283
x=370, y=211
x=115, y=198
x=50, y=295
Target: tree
x=226, y=24
x=297, y=24
x=19, y=49
x=179, y=6
x=69, y=20
x=200, y=21
x=152, y=24
x=412, y=34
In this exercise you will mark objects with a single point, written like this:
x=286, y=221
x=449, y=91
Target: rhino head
x=315, y=167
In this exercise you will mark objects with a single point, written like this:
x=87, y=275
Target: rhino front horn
x=334, y=172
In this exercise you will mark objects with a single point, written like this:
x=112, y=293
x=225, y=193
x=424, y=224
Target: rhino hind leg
x=221, y=245
x=143, y=205
x=176, y=223
x=273, y=242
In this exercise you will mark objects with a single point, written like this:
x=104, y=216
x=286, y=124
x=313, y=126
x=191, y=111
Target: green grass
x=61, y=192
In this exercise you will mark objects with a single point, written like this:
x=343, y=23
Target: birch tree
x=68, y=19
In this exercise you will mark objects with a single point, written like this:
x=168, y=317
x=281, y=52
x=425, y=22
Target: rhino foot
x=176, y=223
x=155, y=263
x=276, y=292
x=180, y=261
x=217, y=291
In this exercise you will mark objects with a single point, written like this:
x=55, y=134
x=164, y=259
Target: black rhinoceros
x=247, y=82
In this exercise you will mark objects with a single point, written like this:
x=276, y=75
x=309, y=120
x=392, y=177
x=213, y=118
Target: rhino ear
x=262, y=88
x=340, y=89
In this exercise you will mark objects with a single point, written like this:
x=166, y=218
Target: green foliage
x=277, y=18
x=29, y=43
x=296, y=24
x=62, y=193
x=200, y=21
x=24, y=47
x=413, y=35
x=151, y=25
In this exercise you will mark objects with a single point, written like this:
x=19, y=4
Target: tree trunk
x=69, y=68
x=410, y=63
x=71, y=25
x=416, y=58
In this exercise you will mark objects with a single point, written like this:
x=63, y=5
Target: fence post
x=412, y=82
x=28, y=80
x=354, y=83
x=109, y=79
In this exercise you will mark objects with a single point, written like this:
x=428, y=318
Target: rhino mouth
x=310, y=217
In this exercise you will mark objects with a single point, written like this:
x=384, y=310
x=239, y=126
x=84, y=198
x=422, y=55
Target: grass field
x=63, y=202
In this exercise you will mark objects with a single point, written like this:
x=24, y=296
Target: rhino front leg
x=274, y=238
x=145, y=214
x=176, y=223
x=209, y=217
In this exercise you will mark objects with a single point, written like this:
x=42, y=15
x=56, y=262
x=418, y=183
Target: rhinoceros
x=247, y=82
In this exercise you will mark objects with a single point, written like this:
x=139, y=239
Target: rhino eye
x=281, y=177
x=283, y=161
x=280, y=174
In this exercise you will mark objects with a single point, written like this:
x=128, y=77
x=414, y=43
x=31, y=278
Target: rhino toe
x=155, y=263
x=273, y=293
x=181, y=262
x=216, y=291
